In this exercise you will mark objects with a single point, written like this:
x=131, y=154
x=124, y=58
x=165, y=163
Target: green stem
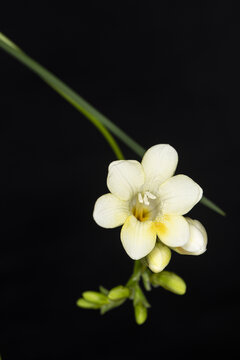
x=137, y=272
x=136, y=293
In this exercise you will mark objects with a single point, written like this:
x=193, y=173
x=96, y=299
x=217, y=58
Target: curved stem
x=107, y=135
x=62, y=89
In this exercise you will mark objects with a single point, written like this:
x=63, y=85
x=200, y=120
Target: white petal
x=179, y=194
x=159, y=257
x=173, y=230
x=159, y=164
x=125, y=177
x=201, y=228
x=110, y=212
x=138, y=238
x=197, y=243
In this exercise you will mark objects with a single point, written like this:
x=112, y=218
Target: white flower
x=149, y=202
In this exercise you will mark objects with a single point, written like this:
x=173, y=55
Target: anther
x=140, y=198
x=150, y=195
x=145, y=199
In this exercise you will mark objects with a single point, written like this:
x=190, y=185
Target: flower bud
x=140, y=313
x=197, y=243
x=86, y=304
x=95, y=297
x=159, y=257
x=118, y=293
x=169, y=281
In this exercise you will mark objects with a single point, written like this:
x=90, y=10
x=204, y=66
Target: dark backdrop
x=164, y=74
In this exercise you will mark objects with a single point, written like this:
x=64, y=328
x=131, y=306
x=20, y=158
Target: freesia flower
x=150, y=203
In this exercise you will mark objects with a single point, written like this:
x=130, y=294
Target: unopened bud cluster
x=105, y=300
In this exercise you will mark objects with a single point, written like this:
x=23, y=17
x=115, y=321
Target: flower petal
x=159, y=257
x=197, y=243
x=138, y=238
x=110, y=212
x=179, y=194
x=159, y=164
x=173, y=230
x=125, y=177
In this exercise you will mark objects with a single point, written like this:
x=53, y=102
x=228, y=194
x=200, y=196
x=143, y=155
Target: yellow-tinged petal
x=110, y=212
x=159, y=163
x=197, y=243
x=159, y=257
x=125, y=177
x=179, y=194
x=138, y=238
x=173, y=230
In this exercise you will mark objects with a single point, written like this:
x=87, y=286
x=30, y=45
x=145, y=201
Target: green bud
x=95, y=297
x=140, y=313
x=169, y=281
x=118, y=293
x=86, y=304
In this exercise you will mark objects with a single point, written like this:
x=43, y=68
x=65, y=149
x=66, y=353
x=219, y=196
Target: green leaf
x=210, y=204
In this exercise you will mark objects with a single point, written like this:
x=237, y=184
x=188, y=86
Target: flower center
x=143, y=205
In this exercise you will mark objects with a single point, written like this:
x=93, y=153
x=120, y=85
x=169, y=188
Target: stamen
x=140, y=198
x=150, y=195
x=145, y=199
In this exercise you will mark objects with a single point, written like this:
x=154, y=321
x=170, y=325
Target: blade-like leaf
x=205, y=201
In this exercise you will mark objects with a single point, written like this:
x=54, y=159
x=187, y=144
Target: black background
x=164, y=73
